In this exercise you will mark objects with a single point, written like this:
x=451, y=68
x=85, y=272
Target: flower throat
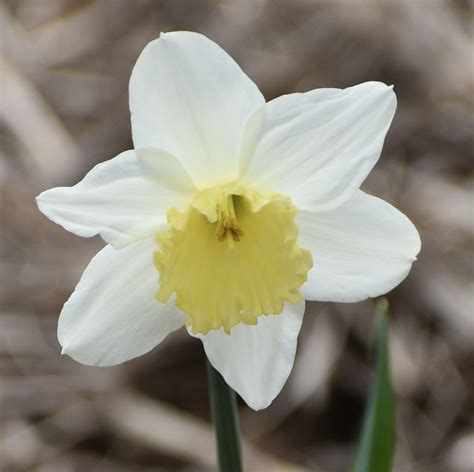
x=228, y=227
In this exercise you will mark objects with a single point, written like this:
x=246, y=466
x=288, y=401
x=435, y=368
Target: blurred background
x=64, y=73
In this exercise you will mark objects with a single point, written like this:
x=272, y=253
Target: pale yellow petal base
x=231, y=257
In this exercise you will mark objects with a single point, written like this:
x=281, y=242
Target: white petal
x=362, y=249
x=124, y=199
x=257, y=360
x=189, y=97
x=113, y=315
x=318, y=147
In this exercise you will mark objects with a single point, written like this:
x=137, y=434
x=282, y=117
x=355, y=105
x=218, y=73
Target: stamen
x=228, y=227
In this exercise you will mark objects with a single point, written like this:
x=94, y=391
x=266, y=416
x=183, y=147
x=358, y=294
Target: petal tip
x=258, y=406
x=41, y=203
x=166, y=35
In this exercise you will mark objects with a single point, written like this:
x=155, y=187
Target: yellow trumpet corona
x=230, y=257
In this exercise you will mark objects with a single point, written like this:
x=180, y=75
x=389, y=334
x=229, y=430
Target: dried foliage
x=64, y=71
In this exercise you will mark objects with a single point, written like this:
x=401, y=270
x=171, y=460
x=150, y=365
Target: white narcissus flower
x=229, y=208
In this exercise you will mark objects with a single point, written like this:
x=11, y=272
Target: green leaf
x=377, y=443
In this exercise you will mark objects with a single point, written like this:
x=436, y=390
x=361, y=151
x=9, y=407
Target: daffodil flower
x=229, y=212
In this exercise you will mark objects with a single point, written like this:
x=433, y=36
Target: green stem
x=226, y=421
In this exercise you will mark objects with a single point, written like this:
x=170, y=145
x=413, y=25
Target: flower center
x=231, y=257
x=228, y=228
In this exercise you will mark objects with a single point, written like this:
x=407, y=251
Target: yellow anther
x=228, y=226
